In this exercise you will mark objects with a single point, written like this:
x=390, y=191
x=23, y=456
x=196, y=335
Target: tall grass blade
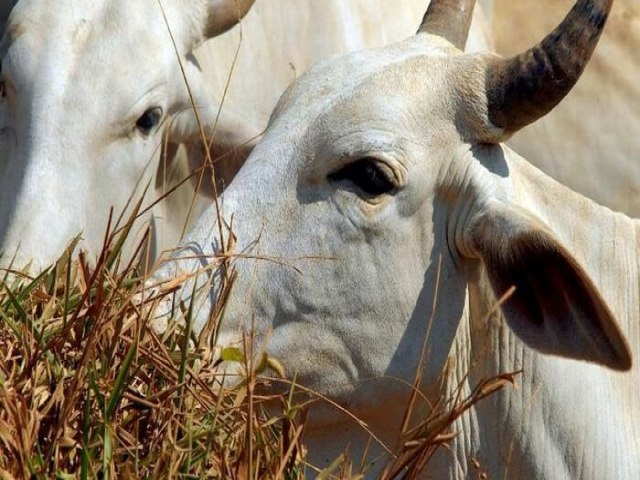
x=120, y=384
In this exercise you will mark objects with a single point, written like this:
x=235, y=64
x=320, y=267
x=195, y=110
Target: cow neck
x=542, y=429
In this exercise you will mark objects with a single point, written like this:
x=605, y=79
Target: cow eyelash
x=367, y=175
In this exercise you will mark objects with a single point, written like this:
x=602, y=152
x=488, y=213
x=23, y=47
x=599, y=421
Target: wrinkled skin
x=339, y=283
x=79, y=75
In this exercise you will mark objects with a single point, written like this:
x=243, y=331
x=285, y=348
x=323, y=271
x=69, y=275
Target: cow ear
x=228, y=154
x=206, y=116
x=227, y=128
x=555, y=307
x=229, y=137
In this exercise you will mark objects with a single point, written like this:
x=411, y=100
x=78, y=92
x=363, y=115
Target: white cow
x=380, y=205
x=87, y=88
x=568, y=144
x=90, y=87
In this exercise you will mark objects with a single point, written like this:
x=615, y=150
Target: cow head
x=87, y=91
x=379, y=188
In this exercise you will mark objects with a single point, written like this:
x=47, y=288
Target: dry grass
x=87, y=390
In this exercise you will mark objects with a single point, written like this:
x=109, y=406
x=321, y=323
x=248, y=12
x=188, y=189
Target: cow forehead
x=64, y=59
x=333, y=80
x=332, y=111
x=68, y=13
x=81, y=31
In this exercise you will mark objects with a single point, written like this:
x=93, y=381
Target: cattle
x=92, y=91
x=568, y=144
x=381, y=216
x=45, y=206
x=87, y=88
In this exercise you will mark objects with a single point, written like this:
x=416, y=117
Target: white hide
x=79, y=74
x=340, y=285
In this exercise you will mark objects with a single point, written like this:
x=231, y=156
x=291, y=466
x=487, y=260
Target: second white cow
x=381, y=209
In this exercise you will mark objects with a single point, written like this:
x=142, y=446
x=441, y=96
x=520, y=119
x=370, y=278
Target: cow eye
x=149, y=120
x=366, y=174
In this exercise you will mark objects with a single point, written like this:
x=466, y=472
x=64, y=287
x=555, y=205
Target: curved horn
x=449, y=19
x=522, y=89
x=224, y=14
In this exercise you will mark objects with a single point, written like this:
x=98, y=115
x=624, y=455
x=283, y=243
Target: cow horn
x=449, y=19
x=524, y=88
x=224, y=14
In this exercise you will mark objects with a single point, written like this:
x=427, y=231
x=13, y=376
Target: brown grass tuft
x=87, y=390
